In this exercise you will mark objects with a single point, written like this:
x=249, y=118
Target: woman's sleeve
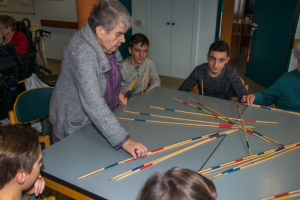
x=84, y=71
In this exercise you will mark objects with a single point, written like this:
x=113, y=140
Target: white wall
x=52, y=10
x=206, y=25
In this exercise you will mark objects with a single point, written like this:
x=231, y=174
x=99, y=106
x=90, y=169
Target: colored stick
x=162, y=149
x=276, y=109
x=143, y=84
x=202, y=86
x=215, y=168
x=183, y=119
x=125, y=174
x=239, y=168
x=131, y=86
x=178, y=123
x=192, y=113
x=247, y=143
x=248, y=130
x=283, y=194
x=257, y=135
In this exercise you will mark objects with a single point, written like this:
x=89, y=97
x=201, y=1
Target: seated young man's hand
x=249, y=99
x=122, y=101
x=136, y=149
x=36, y=189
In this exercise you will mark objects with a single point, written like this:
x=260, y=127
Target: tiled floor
x=173, y=83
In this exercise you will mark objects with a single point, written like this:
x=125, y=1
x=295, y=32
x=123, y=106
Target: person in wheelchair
x=9, y=34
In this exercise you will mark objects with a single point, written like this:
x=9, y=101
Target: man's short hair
x=137, y=38
x=220, y=46
x=19, y=149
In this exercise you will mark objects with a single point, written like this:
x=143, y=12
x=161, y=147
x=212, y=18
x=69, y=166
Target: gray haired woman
x=88, y=87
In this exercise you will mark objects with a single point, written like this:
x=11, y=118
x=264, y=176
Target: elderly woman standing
x=88, y=87
x=9, y=34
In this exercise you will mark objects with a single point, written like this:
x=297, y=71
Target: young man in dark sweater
x=219, y=80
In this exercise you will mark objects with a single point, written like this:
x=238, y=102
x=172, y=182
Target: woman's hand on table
x=122, y=101
x=136, y=149
x=249, y=99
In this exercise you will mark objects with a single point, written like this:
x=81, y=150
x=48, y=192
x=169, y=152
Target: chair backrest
x=22, y=27
x=32, y=104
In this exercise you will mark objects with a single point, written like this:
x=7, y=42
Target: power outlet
x=138, y=22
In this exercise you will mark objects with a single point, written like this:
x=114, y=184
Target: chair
x=32, y=105
x=49, y=198
x=195, y=88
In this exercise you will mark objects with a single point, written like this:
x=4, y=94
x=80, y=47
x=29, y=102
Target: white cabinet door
x=161, y=35
x=171, y=36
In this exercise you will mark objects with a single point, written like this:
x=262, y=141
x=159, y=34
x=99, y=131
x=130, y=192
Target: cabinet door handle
x=168, y=23
x=173, y=23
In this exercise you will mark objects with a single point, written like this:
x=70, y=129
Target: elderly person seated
x=284, y=93
x=88, y=87
x=9, y=34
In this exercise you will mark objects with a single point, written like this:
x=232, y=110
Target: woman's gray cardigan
x=77, y=100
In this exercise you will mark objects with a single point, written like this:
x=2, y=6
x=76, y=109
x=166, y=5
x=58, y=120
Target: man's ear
x=21, y=177
x=207, y=56
x=130, y=50
x=100, y=32
x=227, y=59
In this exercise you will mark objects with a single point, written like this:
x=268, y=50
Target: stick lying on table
x=209, y=115
x=241, y=160
x=243, y=167
x=276, y=109
x=253, y=133
x=284, y=195
x=178, y=123
x=247, y=143
x=183, y=119
x=162, y=149
x=125, y=174
x=248, y=130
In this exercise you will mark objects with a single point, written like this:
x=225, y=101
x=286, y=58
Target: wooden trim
x=295, y=41
x=65, y=190
x=59, y=24
x=227, y=20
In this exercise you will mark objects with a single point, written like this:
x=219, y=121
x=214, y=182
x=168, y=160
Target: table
x=87, y=150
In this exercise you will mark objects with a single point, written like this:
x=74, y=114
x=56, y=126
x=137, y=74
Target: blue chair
x=32, y=105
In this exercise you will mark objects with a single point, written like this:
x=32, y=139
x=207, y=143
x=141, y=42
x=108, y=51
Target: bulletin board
x=17, y=6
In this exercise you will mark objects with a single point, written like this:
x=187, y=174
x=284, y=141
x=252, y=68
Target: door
x=171, y=35
x=270, y=40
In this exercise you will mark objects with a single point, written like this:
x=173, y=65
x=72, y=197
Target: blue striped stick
x=125, y=174
x=243, y=167
x=147, y=114
x=265, y=138
x=237, y=105
x=241, y=160
x=163, y=149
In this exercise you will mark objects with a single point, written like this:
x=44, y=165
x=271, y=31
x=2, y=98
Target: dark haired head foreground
x=178, y=184
x=20, y=162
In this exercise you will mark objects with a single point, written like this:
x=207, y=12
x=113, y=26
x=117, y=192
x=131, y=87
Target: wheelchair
x=14, y=69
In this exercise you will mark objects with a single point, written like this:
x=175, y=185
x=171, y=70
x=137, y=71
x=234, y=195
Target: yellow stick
x=202, y=86
x=209, y=115
x=257, y=162
x=234, y=121
x=237, y=105
x=143, y=84
x=283, y=196
x=276, y=109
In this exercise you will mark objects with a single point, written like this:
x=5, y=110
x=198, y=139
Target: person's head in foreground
x=138, y=48
x=178, y=184
x=20, y=160
x=109, y=20
x=7, y=25
x=217, y=57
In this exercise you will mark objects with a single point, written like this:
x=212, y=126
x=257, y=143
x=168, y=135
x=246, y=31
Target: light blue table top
x=87, y=150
